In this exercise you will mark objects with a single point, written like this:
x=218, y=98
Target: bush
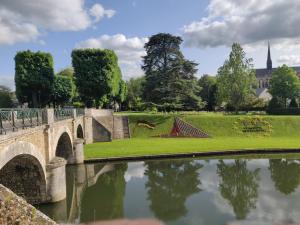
x=294, y=103
x=284, y=111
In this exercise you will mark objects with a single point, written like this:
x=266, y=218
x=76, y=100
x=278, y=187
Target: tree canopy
x=97, y=74
x=236, y=78
x=5, y=97
x=135, y=87
x=62, y=90
x=285, y=83
x=34, y=77
x=169, y=82
x=209, y=91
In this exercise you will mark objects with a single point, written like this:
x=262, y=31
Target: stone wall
x=25, y=177
x=15, y=210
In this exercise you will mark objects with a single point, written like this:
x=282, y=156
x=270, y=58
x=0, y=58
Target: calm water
x=183, y=191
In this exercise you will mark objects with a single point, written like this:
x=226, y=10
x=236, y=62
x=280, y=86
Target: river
x=182, y=191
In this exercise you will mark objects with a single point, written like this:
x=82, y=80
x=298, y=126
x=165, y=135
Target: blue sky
x=208, y=28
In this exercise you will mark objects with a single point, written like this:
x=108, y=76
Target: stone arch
x=22, y=169
x=64, y=148
x=79, y=132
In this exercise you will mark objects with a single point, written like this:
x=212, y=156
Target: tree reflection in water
x=169, y=184
x=285, y=174
x=239, y=186
x=104, y=200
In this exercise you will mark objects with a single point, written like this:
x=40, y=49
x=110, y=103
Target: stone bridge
x=35, y=146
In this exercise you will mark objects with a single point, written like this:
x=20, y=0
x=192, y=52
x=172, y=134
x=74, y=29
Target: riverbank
x=229, y=133
x=170, y=147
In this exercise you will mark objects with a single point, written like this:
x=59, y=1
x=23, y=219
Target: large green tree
x=34, y=77
x=135, y=90
x=169, y=76
x=208, y=91
x=236, y=78
x=97, y=74
x=285, y=83
x=5, y=97
x=62, y=90
x=122, y=94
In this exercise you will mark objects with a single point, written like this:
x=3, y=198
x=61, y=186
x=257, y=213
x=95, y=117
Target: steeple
x=269, y=60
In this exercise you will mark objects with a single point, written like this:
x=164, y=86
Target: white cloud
x=135, y=170
x=246, y=22
x=7, y=81
x=22, y=21
x=99, y=12
x=290, y=60
x=128, y=50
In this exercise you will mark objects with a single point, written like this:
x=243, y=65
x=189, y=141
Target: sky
x=208, y=29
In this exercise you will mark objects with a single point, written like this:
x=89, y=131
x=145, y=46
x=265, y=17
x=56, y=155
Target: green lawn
x=285, y=135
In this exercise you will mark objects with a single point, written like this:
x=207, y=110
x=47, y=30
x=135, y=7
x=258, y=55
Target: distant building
x=263, y=77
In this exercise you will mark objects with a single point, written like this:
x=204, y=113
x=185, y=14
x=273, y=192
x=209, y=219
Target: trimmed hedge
x=284, y=111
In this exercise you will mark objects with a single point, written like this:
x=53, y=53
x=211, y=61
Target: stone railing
x=62, y=114
x=15, y=119
x=20, y=118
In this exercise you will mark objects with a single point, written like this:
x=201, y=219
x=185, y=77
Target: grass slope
x=285, y=135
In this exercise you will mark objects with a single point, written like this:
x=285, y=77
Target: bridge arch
x=79, y=132
x=64, y=147
x=22, y=169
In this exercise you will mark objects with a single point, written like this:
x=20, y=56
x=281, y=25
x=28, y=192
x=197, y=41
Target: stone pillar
x=56, y=180
x=88, y=129
x=74, y=113
x=50, y=116
x=78, y=151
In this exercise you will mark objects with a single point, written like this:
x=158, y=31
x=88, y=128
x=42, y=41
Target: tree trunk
x=34, y=100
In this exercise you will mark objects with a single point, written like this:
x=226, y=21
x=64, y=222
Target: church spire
x=269, y=60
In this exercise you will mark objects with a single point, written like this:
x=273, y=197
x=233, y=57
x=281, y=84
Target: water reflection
x=186, y=191
x=104, y=200
x=239, y=186
x=285, y=174
x=169, y=185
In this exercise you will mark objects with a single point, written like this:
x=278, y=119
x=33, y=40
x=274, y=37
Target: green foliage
x=208, y=91
x=97, y=74
x=62, y=90
x=294, y=103
x=284, y=83
x=5, y=97
x=121, y=97
x=236, y=78
x=276, y=103
x=34, y=77
x=67, y=72
x=169, y=76
x=135, y=87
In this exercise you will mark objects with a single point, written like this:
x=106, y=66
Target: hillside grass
x=285, y=135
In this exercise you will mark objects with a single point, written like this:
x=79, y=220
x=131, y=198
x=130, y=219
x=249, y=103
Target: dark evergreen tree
x=294, y=103
x=169, y=76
